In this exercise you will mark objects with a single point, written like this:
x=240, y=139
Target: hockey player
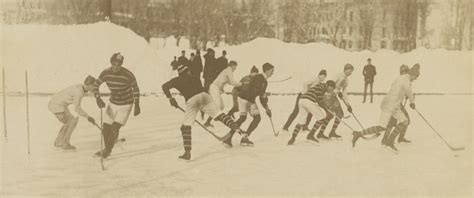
x=342, y=81
x=306, y=85
x=124, y=93
x=312, y=102
x=58, y=105
x=196, y=100
x=247, y=95
x=217, y=87
x=390, y=106
x=393, y=121
x=236, y=90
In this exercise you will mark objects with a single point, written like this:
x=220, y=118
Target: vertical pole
x=27, y=111
x=101, y=140
x=4, y=104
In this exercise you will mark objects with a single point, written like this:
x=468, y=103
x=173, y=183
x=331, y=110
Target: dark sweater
x=315, y=93
x=189, y=86
x=256, y=87
x=122, y=84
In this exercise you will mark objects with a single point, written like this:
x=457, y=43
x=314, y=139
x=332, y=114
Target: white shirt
x=70, y=95
x=399, y=89
x=226, y=77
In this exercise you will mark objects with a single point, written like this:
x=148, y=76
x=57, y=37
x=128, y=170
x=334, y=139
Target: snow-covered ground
x=147, y=165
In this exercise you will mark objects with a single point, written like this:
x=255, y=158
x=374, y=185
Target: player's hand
x=173, y=103
x=339, y=95
x=349, y=108
x=100, y=102
x=91, y=120
x=268, y=112
x=136, y=110
x=412, y=105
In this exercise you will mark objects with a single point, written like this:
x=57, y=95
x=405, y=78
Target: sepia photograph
x=236, y=98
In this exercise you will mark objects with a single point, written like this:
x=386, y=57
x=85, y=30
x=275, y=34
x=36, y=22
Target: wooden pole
x=4, y=104
x=27, y=111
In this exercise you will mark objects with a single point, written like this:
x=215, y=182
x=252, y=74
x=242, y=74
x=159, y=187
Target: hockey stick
x=273, y=127
x=209, y=131
x=101, y=141
x=439, y=135
x=363, y=128
x=283, y=80
x=352, y=129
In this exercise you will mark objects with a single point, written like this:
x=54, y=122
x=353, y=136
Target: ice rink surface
x=147, y=165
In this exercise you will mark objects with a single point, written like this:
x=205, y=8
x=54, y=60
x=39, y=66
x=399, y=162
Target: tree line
x=238, y=21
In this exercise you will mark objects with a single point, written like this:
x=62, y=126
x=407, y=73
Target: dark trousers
x=367, y=83
x=295, y=112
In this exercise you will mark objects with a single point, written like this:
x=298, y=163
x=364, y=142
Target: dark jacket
x=222, y=63
x=210, y=67
x=182, y=60
x=196, y=65
x=369, y=72
x=188, y=86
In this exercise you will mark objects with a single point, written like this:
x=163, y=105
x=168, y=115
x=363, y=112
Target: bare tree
x=367, y=15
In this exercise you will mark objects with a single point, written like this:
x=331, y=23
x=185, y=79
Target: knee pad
x=220, y=117
x=242, y=119
x=73, y=122
x=115, y=126
x=257, y=118
x=63, y=120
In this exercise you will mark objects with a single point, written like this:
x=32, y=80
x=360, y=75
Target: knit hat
x=89, y=80
x=254, y=69
x=348, y=66
x=404, y=69
x=182, y=69
x=232, y=63
x=331, y=83
x=323, y=72
x=117, y=57
x=415, y=70
x=267, y=66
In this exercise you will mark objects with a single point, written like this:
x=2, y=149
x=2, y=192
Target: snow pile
x=59, y=56
x=442, y=71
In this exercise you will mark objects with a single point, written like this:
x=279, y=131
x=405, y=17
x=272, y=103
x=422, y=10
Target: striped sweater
x=122, y=84
x=315, y=93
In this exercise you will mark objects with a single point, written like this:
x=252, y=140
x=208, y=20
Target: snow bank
x=57, y=56
x=442, y=71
